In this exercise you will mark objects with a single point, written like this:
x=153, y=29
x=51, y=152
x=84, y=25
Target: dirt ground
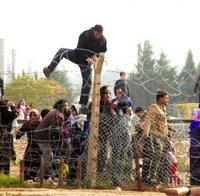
x=20, y=146
x=80, y=192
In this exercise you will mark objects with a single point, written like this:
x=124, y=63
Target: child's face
x=22, y=103
x=73, y=111
x=140, y=114
x=107, y=96
x=123, y=77
x=119, y=93
x=33, y=117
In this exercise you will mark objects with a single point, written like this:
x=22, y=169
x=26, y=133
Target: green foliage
x=36, y=75
x=187, y=78
x=153, y=74
x=198, y=68
x=146, y=62
x=166, y=77
x=41, y=93
x=141, y=82
x=11, y=181
x=23, y=73
x=189, y=69
x=62, y=78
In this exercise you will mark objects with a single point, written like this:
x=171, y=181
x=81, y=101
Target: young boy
x=79, y=136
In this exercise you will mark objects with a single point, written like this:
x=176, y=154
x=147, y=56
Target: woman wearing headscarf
x=32, y=154
x=194, y=134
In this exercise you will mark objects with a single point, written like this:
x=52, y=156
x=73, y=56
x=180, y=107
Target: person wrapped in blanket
x=79, y=136
x=137, y=132
x=121, y=147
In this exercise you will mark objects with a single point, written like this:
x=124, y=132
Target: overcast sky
x=37, y=28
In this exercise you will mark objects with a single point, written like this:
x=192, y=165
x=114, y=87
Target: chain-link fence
x=125, y=158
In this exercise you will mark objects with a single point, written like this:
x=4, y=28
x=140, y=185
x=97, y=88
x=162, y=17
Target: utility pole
x=1, y=67
x=13, y=55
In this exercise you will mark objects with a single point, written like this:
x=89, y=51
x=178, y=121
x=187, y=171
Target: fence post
x=61, y=173
x=138, y=178
x=42, y=173
x=94, y=131
x=21, y=175
x=78, y=171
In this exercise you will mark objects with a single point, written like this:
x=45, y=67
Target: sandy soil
x=82, y=192
x=20, y=146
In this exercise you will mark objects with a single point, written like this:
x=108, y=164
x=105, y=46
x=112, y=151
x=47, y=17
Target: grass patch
x=11, y=181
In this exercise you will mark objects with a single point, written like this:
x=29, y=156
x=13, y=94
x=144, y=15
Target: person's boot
x=46, y=72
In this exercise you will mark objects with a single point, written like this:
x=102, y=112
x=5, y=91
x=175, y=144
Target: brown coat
x=156, y=121
x=49, y=126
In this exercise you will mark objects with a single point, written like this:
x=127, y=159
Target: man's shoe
x=46, y=72
x=117, y=188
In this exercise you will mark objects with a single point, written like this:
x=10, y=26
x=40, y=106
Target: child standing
x=79, y=136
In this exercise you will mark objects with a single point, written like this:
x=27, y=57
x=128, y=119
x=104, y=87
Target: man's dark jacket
x=121, y=84
x=87, y=47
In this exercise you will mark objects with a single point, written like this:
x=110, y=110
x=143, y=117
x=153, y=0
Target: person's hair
x=161, y=94
x=58, y=104
x=139, y=109
x=19, y=103
x=197, y=115
x=44, y=112
x=104, y=90
x=76, y=108
x=122, y=73
x=3, y=105
x=119, y=90
x=98, y=28
x=36, y=113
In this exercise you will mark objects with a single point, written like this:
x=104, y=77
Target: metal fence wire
x=125, y=158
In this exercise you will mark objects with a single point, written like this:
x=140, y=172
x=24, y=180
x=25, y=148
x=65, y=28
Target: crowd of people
x=63, y=132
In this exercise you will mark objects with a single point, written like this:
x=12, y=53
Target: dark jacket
x=29, y=128
x=87, y=47
x=124, y=102
x=49, y=129
x=194, y=134
x=32, y=155
x=1, y=87
x=7, y=115
x=105, y=107
x=121, y=84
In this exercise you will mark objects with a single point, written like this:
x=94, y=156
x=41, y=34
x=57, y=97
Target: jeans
x=86, y=73
x=155, y=167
